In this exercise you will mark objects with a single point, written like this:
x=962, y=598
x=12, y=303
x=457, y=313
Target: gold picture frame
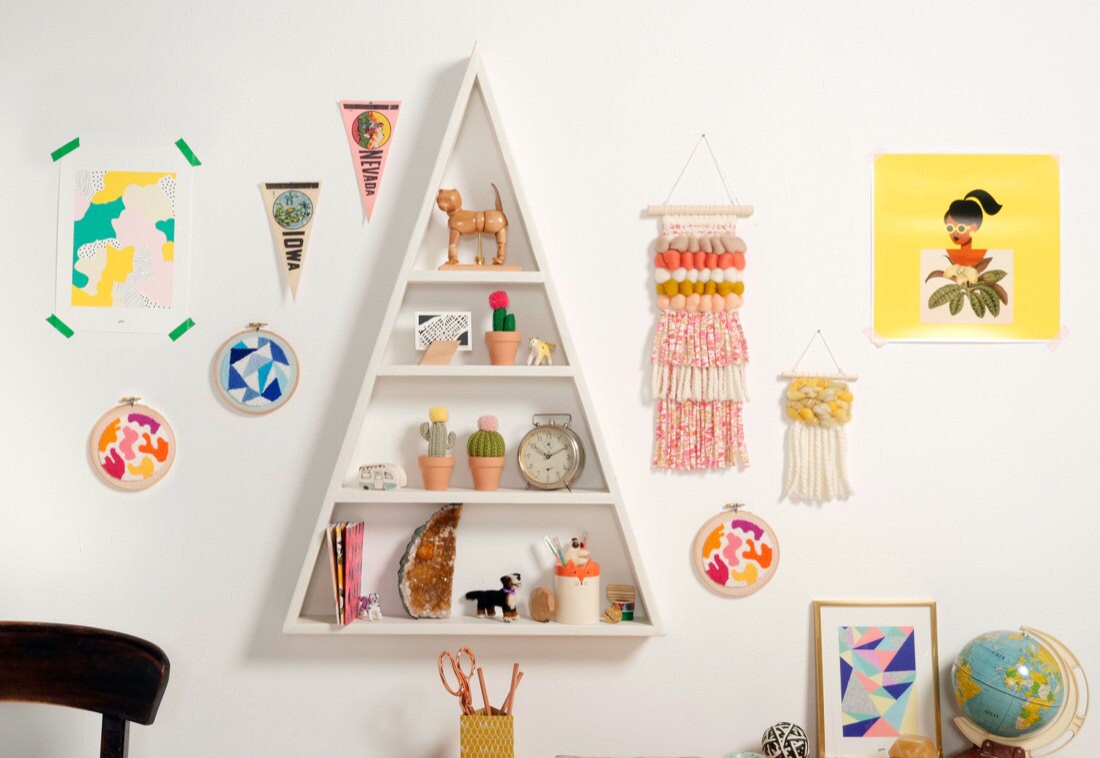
x=877, y=675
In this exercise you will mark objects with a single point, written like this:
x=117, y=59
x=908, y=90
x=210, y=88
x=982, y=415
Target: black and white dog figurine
x=505, y=597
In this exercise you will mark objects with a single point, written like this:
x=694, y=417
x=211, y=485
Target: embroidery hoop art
x=131, y=405
x=734, y=511
x=255, y=328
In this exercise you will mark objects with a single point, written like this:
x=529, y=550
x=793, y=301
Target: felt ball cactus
x=486, y=442
x=503, y=321
x=435, y=432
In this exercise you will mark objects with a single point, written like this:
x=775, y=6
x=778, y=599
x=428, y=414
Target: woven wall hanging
x=819, y=406
x=699, y=350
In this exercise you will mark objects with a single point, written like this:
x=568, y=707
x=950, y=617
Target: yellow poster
x=966, y=247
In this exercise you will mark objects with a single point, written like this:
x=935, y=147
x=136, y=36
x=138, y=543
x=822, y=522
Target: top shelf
x=476, y=277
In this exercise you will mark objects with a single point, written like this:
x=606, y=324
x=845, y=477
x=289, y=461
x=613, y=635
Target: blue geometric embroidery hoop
x=225, y=376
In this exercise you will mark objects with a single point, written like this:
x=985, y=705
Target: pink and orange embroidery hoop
x=132, y=446
x=736, y=552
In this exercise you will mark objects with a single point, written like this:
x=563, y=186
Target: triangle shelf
x=501, y=530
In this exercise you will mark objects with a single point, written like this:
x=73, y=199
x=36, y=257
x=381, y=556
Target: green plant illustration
x=970, y=284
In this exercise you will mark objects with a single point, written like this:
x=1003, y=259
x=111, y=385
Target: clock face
x=548, y=457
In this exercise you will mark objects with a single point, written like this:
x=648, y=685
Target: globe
x=1017, y=688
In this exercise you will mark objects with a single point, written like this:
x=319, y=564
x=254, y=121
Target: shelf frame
x=410, y=275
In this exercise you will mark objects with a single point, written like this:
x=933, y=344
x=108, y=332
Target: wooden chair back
x=119, y=676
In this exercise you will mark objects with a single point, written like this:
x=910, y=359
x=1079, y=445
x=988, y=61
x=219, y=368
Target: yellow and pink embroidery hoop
x=138, y=460
x=736, y=552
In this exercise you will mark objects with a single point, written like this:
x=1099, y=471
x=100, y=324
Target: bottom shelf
x=469, y=626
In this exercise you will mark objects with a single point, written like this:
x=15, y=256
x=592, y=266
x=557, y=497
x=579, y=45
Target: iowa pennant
x=369, y=128
x=291, y=209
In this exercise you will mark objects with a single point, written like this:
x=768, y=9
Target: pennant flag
x=291, y=208
x=369, y=128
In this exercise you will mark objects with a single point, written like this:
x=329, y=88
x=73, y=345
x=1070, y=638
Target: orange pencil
x=507, y=707
x=512, y=694
x=484, y=692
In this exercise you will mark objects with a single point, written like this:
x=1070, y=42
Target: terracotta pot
x=486, y=471
x=436, y=471
x=502, y=347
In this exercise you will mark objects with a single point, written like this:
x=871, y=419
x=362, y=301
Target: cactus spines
x=439, y=440
x=486, y=442
x=503, y=321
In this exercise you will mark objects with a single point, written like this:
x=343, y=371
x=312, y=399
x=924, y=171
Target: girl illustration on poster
x=972, y=280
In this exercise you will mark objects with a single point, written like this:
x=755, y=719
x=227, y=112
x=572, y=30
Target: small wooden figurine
x=542, y=604
x=505, y=598
x=540, y=352
x=462, y=223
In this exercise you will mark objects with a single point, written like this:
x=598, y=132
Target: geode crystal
x=427, y=569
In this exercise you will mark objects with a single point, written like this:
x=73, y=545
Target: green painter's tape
x=188, y=153
x=60, y=326
x=181, y=330
x=65, y=149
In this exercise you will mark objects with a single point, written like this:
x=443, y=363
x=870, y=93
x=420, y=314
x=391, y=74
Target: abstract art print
x=443, y=325
x=122, y=256
x=967, y=247
x=877, y=675
x=132, y=446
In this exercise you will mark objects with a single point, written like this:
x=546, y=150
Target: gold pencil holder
x=487, y=736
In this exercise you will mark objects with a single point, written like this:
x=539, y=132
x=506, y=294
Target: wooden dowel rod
x=743, y=211
x=818, y=375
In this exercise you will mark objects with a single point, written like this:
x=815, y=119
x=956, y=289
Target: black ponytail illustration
x=968, y=211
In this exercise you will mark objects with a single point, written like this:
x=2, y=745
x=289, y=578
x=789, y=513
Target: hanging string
x=714, y=158
x=824, y=342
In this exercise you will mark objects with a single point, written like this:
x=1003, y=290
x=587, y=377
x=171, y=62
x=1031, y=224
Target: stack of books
x=345, y=551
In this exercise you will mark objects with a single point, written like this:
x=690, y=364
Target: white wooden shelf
x=501, y=528
x=474, y=497
x=467, y=626
x=451, y=278
x=478, y=372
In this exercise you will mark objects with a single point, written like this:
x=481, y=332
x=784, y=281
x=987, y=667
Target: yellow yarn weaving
x=819, y=402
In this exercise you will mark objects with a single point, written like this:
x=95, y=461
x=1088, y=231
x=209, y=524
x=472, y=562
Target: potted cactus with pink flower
x=503, y=341
x=436, y=466
x=486, y=453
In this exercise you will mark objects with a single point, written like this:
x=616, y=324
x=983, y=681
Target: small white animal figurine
x=540, y=352
x=577, y=551
x=370, y=607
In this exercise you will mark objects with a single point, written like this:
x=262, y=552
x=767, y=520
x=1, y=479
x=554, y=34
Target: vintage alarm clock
x=551, y=455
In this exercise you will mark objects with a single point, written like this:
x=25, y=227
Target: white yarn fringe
x=817, y=463
x=698, y=383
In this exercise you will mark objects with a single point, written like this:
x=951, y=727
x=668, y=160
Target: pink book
x=353, y=570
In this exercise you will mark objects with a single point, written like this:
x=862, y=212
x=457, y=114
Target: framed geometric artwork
x=123, y=252
x=443, y=325
x=967, y=248
x=877, y=675
x=256, y=370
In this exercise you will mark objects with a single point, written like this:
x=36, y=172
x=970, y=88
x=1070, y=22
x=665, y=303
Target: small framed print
x=443, y=325
x=877, y=675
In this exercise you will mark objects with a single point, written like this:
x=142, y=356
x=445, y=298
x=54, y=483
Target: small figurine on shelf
x=505, y=598
x=462, y=223
x=503, y=341
x=437, y=465
x=370, y=607
x=576, y=583
x=382, y=476
x=485, y=449
x=540, y=352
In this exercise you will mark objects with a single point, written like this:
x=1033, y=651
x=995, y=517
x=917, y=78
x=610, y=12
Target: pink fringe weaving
x=692, y=436
x=699, y=339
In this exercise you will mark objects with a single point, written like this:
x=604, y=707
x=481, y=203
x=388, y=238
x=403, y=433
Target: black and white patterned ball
x=785, y=740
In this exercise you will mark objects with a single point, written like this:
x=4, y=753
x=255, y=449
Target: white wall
x=601, y=102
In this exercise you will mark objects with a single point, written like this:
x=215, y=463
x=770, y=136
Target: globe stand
x=991, y=749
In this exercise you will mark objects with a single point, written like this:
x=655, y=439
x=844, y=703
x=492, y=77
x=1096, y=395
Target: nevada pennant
x=291, y=208
x=369, y=128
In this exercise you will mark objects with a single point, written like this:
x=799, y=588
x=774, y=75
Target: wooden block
x=541, y=603
x=439, y=353
x=477, y=267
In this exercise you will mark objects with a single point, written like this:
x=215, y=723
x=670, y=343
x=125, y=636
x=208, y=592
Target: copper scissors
x=462, y=691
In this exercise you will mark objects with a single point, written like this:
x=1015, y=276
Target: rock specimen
x=428, y=566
